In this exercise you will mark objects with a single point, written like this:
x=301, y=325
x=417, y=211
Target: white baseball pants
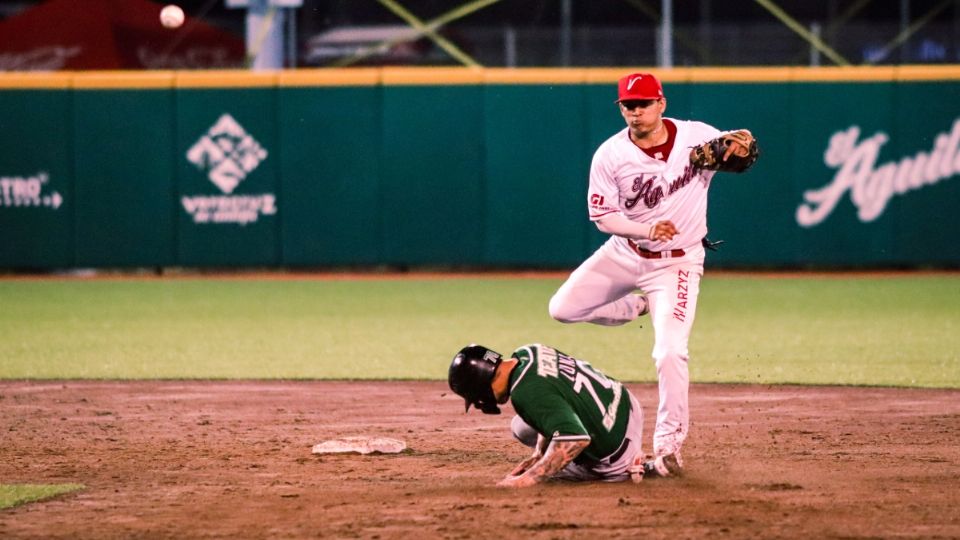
x=600, y=291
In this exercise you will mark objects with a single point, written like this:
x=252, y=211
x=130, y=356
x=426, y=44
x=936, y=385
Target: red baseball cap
x=639, y=86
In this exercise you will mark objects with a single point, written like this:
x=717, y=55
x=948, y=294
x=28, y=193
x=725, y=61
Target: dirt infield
x=232, y=460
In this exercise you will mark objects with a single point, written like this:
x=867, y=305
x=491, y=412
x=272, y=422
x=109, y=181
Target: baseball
x=171, y=16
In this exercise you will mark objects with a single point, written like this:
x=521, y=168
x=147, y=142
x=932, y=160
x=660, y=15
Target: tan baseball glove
x=735, y=151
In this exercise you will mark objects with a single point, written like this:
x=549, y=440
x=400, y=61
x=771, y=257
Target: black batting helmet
x=471, y=373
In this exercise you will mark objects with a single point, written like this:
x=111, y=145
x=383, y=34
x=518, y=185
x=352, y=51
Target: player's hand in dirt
x=525, y=464
x=663, y=231
x=538, y=451
x=516, y=482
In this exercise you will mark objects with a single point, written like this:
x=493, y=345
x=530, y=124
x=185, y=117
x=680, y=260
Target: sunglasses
x=632, y=104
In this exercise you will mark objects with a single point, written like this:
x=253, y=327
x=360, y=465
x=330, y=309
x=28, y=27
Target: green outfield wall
x=860, y=167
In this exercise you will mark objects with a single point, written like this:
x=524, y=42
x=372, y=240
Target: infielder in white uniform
x=648, y=190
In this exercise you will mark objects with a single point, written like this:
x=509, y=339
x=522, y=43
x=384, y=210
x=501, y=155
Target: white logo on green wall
x=227, y=153
x=871, y=187
x=28, y=192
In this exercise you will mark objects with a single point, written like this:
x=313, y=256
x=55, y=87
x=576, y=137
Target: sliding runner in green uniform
x=582, y=424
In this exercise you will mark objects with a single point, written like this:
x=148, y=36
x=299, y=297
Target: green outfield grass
x=15, y=494
x=902, y=330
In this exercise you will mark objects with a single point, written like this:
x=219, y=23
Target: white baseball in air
x=171, y=16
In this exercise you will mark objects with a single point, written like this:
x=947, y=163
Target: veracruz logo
x=228, y=154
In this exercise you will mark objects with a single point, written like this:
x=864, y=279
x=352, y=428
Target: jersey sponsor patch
x=598, y=203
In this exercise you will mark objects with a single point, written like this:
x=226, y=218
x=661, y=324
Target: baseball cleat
x=663, y=466
x=679, y=458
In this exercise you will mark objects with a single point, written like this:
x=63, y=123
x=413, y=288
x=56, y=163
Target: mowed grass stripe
x=897, y=331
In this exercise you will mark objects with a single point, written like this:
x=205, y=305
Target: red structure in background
x=111, y=34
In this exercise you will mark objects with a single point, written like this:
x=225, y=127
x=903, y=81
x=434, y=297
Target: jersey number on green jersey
x=585, y=378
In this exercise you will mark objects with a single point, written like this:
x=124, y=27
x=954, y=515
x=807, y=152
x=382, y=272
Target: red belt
x=647, y=254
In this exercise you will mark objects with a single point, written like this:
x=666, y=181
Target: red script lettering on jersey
x=651, y=195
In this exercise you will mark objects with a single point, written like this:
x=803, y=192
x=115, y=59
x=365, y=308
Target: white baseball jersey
x=623, y=178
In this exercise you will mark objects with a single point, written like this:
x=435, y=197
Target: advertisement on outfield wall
x=227, y=154
x=871, y=184
x=851, y=174
x=37, y=196
x=858, y=173
x=29, y=192
x=227, y=177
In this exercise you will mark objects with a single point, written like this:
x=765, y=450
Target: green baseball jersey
x=567, y=399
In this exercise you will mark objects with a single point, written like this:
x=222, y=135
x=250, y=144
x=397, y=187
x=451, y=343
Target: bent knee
x=523, y=432
x=560, y=312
